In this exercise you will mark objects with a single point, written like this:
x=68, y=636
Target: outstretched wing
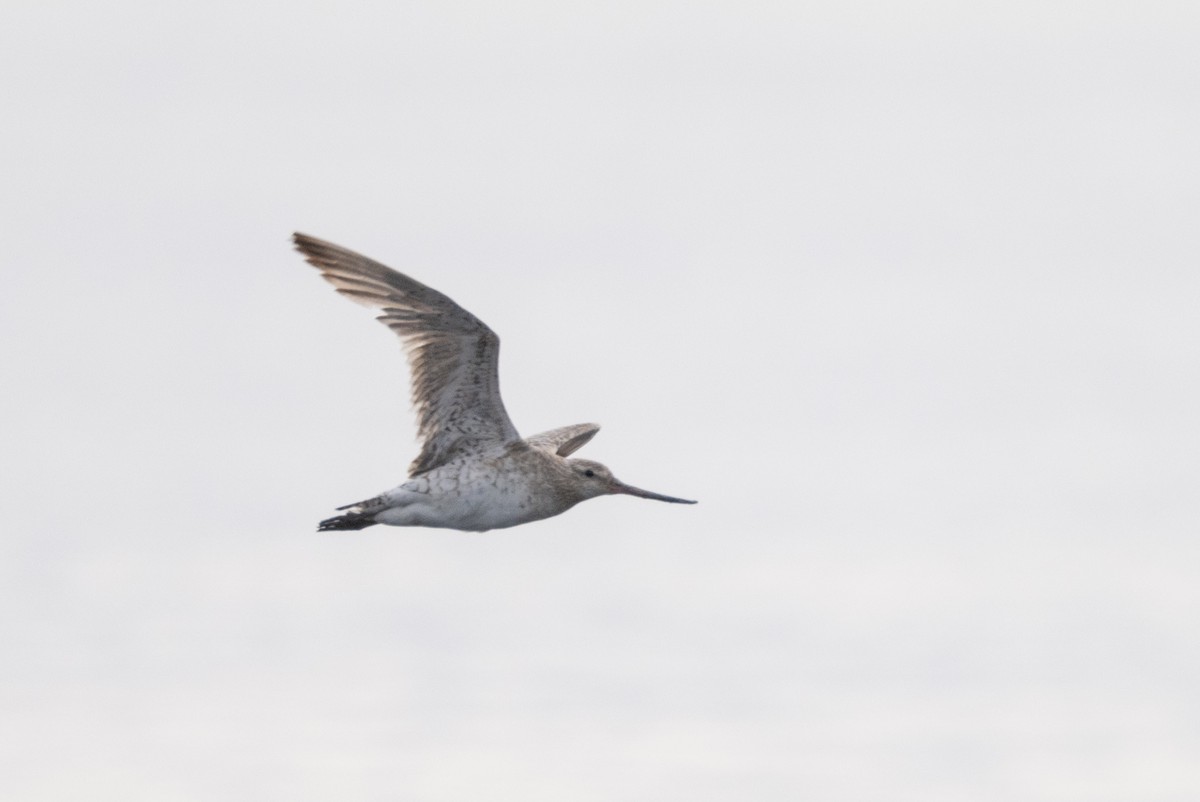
x=452, y=354
x=564, y=441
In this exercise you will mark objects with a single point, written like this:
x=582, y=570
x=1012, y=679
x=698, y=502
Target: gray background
x=905, y=293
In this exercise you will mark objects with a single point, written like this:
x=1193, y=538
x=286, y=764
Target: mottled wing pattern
x=564, y=441
x=452, y=354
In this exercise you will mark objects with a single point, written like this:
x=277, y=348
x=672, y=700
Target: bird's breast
x=477, y=495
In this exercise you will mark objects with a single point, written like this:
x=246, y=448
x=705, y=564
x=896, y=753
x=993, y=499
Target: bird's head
x=591, y=479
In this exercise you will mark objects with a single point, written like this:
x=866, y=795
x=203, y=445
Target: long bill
x=630, y=490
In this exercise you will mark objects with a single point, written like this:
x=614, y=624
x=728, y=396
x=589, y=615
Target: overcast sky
x=906, y=294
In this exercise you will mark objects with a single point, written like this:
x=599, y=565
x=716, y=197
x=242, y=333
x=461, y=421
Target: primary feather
x=452, y=354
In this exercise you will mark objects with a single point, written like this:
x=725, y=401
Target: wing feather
x=565, y=440
x=452, y=355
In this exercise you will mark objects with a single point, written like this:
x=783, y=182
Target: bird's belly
x=478, y=512
x=471, y=509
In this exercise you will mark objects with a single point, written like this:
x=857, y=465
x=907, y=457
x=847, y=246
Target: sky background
x=906, y=294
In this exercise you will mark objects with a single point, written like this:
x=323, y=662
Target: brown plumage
x=453, y=355
x=474, y=471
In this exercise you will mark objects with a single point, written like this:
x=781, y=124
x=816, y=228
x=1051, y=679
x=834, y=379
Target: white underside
x=476, y=504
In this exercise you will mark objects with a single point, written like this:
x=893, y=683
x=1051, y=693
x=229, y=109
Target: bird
x=474, y=472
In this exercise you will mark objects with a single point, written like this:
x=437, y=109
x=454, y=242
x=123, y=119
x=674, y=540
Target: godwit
x=474, y=471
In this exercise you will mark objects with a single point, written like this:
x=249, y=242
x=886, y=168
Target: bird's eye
x=589, y=472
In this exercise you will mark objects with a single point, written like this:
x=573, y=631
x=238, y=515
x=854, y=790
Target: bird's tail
x=362, y=514
x=353, y=520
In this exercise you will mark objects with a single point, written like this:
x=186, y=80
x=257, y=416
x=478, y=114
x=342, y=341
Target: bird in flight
x=474, y=472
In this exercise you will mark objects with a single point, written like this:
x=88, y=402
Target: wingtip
x=320, y=253
x=307, y=244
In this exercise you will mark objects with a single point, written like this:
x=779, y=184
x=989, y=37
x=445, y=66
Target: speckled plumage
x=474, y=472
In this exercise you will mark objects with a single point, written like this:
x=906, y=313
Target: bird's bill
x=630, y=490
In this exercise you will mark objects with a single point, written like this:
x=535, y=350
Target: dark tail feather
x=349, y=521
x=362, y=514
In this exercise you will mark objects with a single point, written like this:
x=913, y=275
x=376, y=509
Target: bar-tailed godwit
x=474, y=471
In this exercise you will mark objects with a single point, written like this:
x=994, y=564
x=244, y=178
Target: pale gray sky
x=905, y=293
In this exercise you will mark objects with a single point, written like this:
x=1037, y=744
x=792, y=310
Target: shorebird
x=474, y=472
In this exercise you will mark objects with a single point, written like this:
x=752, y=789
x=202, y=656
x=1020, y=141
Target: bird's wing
x=564, y=441
x=452, y=354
